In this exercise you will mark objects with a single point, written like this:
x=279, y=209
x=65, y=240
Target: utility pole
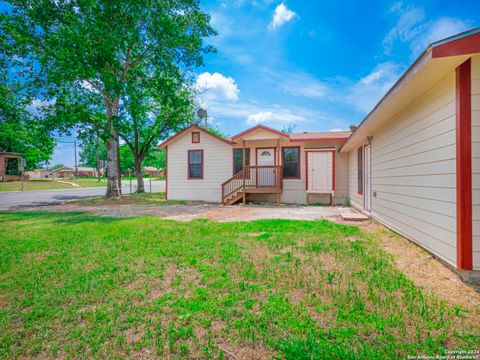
x=75, y=150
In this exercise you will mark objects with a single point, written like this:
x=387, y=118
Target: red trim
x=188, y=165
x=464, y=165
x=166, y=172
x=257, y=127
x=319, y=139
x=193, y=138
x=174, y=137
x=333, y=165
x=266, y=147
x=299, y=161
x=469, y=44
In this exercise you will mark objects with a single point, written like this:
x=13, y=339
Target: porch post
x=464, y=166
x=244, y=171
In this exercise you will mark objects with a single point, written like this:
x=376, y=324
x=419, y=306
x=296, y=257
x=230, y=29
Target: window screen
x=195, y=164
x=360, y=170
x=291, y=162
x=195, y=137
x=238, y=159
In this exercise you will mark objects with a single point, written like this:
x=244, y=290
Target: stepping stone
x=353, y=216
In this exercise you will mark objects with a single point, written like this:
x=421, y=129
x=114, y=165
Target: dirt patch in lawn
x=427, y=272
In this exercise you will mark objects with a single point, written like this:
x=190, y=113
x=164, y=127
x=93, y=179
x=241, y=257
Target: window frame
x=248, y=162
x=193, y=137
x=299, y=166
x=188, y=164
x=360, y=170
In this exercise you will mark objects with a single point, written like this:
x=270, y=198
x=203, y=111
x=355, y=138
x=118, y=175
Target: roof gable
x=257, y=128
x=186, y=130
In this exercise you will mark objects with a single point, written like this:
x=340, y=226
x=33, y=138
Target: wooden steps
x=234, y=198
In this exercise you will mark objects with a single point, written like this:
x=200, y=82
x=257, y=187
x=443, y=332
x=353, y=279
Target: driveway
x=14, y=199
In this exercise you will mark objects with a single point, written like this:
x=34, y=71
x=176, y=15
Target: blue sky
x=318, y=65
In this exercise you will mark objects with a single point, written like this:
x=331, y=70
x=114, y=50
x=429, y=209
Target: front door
x=266, y=175
x=368, y=180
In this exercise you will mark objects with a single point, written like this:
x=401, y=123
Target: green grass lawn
x=75, y=285
x=155, y=198
x=43, y=184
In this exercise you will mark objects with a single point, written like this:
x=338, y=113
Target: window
x=360, y=170
x=238, y=159
x=195, y=164
x=291, y=162
x=195, y=137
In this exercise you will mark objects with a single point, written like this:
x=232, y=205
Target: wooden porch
x=253, y=180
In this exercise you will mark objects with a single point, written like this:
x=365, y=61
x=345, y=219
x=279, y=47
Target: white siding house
x=418, y=152
x=217, y=158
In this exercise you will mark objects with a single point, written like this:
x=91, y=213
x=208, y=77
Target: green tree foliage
x=91, y=54
x=22, y=131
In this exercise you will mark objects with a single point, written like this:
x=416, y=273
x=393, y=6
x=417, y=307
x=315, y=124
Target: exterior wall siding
x=476, y=160
x=413, y=171
x=217, y=167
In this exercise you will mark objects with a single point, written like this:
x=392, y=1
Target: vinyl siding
x=217, y=168
x=476, y=159
x=413, y=171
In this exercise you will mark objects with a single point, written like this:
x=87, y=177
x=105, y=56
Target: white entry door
x=368, y=180
x=266, y=176
x=320, y=171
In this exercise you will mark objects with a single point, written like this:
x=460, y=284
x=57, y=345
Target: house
x=261, y=164
x=414, y=161
x=10, y=166
x=65, y=172
x=41, y=174
x=153, y=172
x=86, y=171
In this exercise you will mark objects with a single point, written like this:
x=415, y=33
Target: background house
x=10, y=166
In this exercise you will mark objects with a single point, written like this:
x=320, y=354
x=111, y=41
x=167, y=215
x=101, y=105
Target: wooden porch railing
x=253, y=179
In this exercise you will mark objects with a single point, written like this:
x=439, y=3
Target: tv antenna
x=202, y=114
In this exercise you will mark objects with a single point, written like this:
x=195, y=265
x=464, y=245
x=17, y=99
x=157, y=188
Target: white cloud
x=364, y=94
x=412, y=29
x=216, y=86
x=281, y=16
x=259, y=117
x=276, y=117
x=336, y=129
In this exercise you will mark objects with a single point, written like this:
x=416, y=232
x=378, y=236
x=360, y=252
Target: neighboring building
x=414, y=161
x=288, y=168
x=83, y=171
x=65, y=172
x=10, y=166
x=41, y=174
x=153, y=172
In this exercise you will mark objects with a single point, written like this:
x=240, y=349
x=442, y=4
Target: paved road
x=12, y=199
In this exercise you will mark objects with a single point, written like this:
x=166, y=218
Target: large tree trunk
x=139, y=175
x=113, y=189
